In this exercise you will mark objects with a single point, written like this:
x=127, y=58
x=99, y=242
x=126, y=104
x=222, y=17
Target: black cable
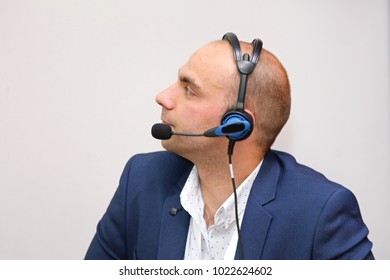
x=230, y=153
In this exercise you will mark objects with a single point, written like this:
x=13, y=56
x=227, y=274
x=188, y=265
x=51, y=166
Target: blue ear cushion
x=238, y=116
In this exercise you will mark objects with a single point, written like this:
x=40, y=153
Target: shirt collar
x=227, y=209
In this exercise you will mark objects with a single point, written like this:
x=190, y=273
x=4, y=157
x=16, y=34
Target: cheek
x=209, y=116
x=202, y=114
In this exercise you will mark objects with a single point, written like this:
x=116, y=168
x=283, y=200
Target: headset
x=245, y=65
x=239, y=117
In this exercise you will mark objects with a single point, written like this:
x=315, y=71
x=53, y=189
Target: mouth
x=165, y=122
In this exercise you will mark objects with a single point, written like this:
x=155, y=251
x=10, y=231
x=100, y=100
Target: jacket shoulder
x=293, y=170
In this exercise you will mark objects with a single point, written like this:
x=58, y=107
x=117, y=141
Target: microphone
x=163, y=131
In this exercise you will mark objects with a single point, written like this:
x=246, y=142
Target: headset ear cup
x=238, y=116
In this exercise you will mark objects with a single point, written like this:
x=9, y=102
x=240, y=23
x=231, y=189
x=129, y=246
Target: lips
x=166, y=122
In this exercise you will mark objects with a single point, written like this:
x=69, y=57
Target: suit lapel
x=174, y=229
x=257, y=220
x=174, y=225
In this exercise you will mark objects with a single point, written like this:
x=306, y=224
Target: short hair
x=268, y=97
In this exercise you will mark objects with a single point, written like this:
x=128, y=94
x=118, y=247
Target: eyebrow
x=188, y=80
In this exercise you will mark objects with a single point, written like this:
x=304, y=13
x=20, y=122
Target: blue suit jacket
x=292, y=212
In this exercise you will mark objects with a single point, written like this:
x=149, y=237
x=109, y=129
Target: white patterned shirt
x=219, y=241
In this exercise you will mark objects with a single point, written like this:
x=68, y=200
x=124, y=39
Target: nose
x=166, y=98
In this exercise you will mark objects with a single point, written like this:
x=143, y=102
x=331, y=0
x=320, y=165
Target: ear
x=251, y=114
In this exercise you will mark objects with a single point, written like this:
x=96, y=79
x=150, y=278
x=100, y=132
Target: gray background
x=77, y=87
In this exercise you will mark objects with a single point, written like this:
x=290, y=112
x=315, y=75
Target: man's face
x=198, y=99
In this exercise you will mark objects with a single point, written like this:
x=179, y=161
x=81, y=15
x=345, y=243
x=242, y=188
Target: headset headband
x=245, y=64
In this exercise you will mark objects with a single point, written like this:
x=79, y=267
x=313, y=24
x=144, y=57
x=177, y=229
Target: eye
x=188, y=90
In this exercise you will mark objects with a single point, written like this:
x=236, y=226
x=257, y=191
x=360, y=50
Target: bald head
x=267, y=93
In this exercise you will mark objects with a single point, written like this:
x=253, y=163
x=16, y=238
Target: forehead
x=211, y=67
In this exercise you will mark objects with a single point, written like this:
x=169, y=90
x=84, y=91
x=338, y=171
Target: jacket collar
x=174, y=224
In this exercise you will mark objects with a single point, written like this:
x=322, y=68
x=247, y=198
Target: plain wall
x=77, y=87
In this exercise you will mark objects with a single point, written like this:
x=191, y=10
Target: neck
x=215, y=179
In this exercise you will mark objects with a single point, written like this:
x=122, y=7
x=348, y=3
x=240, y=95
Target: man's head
x=207, y=87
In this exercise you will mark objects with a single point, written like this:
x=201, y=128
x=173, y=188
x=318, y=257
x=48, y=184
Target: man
x=180, y=204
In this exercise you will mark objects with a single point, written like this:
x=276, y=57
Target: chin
x=174, y=146
x=194, y=148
